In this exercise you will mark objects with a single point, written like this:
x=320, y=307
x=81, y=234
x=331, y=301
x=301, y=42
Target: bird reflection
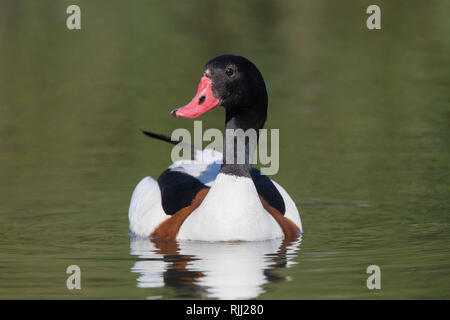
x=223, y=270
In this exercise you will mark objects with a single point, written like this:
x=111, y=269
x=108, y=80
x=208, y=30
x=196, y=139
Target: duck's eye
x=229, y=72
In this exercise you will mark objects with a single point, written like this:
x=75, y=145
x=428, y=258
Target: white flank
x=146, y=211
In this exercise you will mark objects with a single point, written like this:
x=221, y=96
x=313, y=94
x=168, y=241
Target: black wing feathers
x=178, y=189
x=268, y=191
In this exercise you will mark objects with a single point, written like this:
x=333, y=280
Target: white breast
x=231, y=210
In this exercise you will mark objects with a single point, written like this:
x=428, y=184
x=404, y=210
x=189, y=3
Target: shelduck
x=214, y=197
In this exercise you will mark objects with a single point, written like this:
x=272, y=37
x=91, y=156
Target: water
x=364, y=134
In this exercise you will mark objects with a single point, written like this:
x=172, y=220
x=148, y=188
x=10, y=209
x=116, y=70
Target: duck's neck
x=240, y=140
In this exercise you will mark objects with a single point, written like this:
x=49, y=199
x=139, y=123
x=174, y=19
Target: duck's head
x=234, y=83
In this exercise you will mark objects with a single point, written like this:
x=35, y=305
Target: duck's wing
x=291, y=211
x=178, y=189
x=184, y=179
x=268, y=191
x=278, y=202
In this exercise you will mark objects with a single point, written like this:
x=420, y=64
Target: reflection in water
x=224, y=270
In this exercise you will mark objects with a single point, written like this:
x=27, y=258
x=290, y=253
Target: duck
x=214, y=197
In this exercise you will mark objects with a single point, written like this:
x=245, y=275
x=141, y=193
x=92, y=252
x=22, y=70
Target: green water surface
x=364, y=145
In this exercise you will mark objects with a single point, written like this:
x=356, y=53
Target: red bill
x=203, y=101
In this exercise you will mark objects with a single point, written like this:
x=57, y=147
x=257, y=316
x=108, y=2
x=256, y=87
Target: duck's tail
x=168, y=139
x=160, y=136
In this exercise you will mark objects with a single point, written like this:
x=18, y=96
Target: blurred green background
x=364, y=136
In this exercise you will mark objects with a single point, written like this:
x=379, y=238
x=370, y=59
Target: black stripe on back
x=178, y=189
x=268, y=191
